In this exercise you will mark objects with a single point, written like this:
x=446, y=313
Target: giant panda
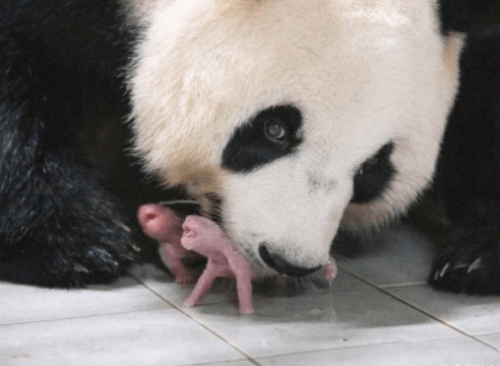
x=286, y=120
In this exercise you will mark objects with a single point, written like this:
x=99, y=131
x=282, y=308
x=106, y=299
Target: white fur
x=362, y=72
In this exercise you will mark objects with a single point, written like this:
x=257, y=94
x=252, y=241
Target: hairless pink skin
x=205, y=237
x=162, y=224
x=330, y=270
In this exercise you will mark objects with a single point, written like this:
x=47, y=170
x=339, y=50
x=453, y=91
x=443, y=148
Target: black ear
x=469, y=16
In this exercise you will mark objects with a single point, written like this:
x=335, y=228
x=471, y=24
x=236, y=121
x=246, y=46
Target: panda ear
x=469, y=16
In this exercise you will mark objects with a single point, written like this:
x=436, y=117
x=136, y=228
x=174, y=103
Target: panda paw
x=78, y=262
x=82, y=240
x=93, y=260
x=79, y=258
x=467, y=269
x=94, y=243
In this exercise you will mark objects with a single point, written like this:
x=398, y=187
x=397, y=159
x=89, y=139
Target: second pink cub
x=204, y=237
x=163, y=225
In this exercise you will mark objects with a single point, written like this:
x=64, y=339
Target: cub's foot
x=246, y=311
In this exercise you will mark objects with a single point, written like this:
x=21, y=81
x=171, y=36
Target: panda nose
x=282, y=266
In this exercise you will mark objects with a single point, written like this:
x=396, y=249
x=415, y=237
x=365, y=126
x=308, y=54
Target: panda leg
x=469, y=177
x=470, y=261
x=58, y=227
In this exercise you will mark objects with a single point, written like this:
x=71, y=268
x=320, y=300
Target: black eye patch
x=270, y=135
x=374, y=176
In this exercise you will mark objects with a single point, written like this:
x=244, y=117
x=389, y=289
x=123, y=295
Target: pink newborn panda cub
x=163, y=225
x=205, y=237
x=202, y=236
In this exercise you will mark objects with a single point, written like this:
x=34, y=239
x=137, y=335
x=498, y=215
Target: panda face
x=290, y=118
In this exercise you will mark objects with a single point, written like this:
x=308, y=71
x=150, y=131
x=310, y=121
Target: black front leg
x=58, y=227
x=469, y=176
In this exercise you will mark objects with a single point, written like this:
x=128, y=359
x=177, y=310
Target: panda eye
x=269, y=135
x=275, y=129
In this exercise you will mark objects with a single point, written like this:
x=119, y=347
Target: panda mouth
x=188, y=233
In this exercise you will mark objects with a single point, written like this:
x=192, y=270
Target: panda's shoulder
x=76, y=36
x=469, y=16
x=61, y=20
x=480, y=68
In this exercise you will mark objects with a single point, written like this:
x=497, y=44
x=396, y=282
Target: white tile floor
x=378, y=311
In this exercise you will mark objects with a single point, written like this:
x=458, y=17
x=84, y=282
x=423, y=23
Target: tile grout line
x=371, y=284
x=81, y=317
x=451, y=326
x=455, y=328
x=219, y=364
x=204, y=326
x=360, y=347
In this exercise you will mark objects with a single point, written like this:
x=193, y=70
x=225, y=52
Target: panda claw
x=460, y=265
x=78, y=267
x=477, y=264
x=443, y=271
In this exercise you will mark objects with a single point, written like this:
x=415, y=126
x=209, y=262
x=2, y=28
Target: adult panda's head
x=292, y=116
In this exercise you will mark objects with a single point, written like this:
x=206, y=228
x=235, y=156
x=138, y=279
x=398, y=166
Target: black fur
x=250, y=147
x=60, y=62
x=62, y=99
x=468, y=176
x=374, y=176
x=468, y=171
x=469, y=16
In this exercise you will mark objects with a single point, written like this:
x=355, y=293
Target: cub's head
x=290, y=118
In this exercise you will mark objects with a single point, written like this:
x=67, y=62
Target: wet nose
x=282, y=266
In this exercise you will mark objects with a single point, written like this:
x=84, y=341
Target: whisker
x=178, y=202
